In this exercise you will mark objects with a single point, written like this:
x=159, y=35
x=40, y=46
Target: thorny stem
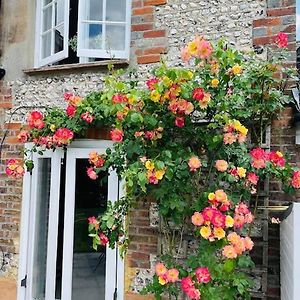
x=180, y=242
x=254, y=212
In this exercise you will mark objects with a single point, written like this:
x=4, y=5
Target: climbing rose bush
x=191, y=140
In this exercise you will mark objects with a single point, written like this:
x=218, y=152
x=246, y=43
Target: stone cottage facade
x=158, y=29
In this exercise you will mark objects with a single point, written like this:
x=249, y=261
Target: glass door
x=57, y=261
x=87, y=274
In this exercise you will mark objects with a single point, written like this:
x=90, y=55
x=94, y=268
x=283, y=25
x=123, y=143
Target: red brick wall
x=281, y=17
x=143, y=237
x=10, y=189
x=147, y=42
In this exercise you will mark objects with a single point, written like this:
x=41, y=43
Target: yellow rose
x=229, y=221
x=161, y=280
x=211, y=196
x=219, y=233
x=149, y=165
x=237, y=69
x=205, y=232
x=131, y=100
x=241, y=172
x=215, y=83
x=155, y=96
x=52, y=127
x=159, y=174
x=192, y=48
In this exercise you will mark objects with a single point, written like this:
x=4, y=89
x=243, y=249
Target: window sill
x=76, y=67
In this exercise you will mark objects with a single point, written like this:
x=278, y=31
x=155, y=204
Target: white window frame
x=78, y=149
x=55, y=57
x=103, y=53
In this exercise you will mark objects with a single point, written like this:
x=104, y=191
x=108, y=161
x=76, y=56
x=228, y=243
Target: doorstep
x=8, y=289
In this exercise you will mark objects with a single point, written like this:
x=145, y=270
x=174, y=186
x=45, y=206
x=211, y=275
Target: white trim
x=53, y=58
x=66, y=290
x=53, y=225
x=121, y=265
x=113, y=191
x=54, y=188
x=24, y=224
x=29, y=226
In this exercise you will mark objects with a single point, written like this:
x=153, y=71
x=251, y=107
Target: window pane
x=116, y=10
x=92, y=36
x=59, y=12
x=115, y=37
x=59, y=39
x=89, y=267
x=95, y=10
x=41, y=230
x=46, y=45
x=47, y=18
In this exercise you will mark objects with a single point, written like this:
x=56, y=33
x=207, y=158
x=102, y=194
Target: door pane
x=41, y=228
x=116, y=10
x=115, y=37
x=88, y=281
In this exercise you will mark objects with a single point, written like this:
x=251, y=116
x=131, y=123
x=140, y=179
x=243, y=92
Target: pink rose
x=281, y=40
x=91, y=173
x=179, y=121
x=103, y=239
x=203, y=275
x=71, y=111
x=87, y=117
x=194, y=163
x=117, y=135
x=221, y=165
x=23, y=136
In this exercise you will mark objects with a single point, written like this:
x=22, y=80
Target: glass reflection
x=88, y=266
x=116, y=10
x=115, y=37
x=41, y=230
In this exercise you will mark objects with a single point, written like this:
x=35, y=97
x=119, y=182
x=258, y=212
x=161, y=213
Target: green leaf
x=110, y=222
x=136, y=118
x=229, y=265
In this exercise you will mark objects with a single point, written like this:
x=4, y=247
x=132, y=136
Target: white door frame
x=28, y=225
x=78, y=149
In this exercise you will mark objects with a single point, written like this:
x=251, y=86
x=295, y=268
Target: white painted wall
x=290, y=255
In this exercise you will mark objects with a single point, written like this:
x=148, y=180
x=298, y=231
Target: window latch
x=24, y=281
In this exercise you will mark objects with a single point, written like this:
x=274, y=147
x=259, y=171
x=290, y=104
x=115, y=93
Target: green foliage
x=173, y=138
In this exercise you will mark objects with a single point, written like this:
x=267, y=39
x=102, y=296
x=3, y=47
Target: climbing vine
x=190, y=140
